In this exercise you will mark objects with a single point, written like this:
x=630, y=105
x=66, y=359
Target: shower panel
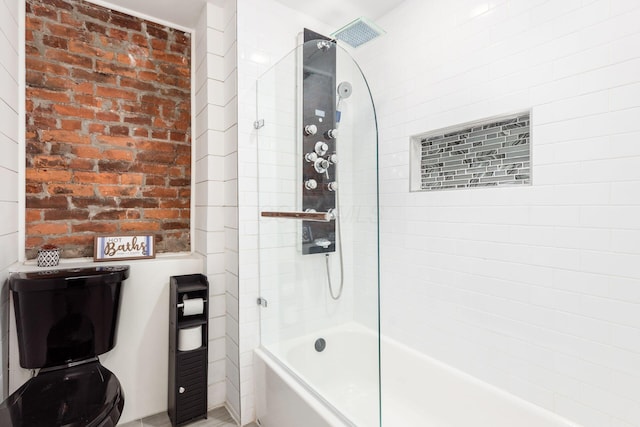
x=319, y=162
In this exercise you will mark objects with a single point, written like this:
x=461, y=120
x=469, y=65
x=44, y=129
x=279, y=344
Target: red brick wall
x=108, y=128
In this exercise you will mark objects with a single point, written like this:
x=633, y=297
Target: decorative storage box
x=48, y=257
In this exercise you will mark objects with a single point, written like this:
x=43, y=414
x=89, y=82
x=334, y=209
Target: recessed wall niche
x=493, y=152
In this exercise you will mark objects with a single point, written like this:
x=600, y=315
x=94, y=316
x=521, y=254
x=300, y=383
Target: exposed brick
x=68, y=58
x=70, y=124
x=47, y=67
x=175, y=225
x=53, y=41
x=64, y=31
x=155, y=180
x=109, y=68
x=156, y=157
x=33, y=215
x=174, y=70
x=161, y=213
x=64, y=214
x=69, y=110
x=88, y=100
x=34, y=242
x=60, y=4
x=94, y=202
x=137, y=84
x=160, y=134
x=64, y=136
x=48, y=95
x=52, y=162
x=84, y=48
x=138, y=120
x=99, y=13
x=118, y=155
x=118, y=34
x=95, y=227
x=44, y=12
x=118, y=190
x=160, y=192
x=118, y=166
x=68, y=19
x=47, y=175
x=86, y=151
x=81, y=164
x=94, y=76
x=140, y=226
x=125, y=21
x=34, y=78
x=119, y=141
x=48, y=228
x=115, y=214
x=75, y=239
x=157, y=31
x=178, y=48
x=82, y=177
x=139, y=39
x=139, y=203
x=131, y=179
x=175, y=203
x=107, y=116
x=74, y=189
x=119, y=130
x=180, y=182
x=55, y=202
x=97, y=127
x=108, y=127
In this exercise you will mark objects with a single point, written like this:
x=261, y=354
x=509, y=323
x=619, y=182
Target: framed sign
x=108, y=248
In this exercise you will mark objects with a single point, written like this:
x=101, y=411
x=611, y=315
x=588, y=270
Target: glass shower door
x=318, y=230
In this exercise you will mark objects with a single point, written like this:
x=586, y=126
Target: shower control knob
x=332, y=186
x=332, y=133
x=321, y=165
x=311, y=184
x=321, y=148
x=311, y=157
x=333, y=159
x=310, y=129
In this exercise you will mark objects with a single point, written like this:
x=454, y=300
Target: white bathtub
x=416, y=390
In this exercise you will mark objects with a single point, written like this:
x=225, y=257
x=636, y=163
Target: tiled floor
x=216, y=418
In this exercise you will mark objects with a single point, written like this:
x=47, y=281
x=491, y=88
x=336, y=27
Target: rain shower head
x=358, y=32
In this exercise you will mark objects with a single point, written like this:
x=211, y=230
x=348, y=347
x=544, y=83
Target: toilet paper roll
x=192, y=306
x=190, y=338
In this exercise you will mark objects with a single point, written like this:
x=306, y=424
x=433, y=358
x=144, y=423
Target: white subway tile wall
x=534, y=289
x=216, y=230
x=9, y=161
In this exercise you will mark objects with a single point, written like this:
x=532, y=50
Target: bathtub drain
x=320, y=344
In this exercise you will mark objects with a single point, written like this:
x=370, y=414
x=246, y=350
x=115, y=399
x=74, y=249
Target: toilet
x=65, y=319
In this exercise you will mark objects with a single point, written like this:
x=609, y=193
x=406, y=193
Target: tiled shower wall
x=216, y=204
x=9, y=161
x=535, y=289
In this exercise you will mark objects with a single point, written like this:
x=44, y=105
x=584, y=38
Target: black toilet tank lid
x=45, y=280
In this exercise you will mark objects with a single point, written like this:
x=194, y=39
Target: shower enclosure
x=318, y=230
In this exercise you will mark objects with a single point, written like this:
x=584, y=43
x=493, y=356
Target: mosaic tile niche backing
x=495, y=152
